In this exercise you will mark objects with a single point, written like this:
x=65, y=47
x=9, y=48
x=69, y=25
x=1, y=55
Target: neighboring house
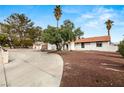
x=101, y=43
x=39, y=46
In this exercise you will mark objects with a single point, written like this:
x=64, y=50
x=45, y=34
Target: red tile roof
x=94, y=39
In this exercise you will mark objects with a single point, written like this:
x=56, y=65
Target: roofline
x=96, y=40
x=97, y=36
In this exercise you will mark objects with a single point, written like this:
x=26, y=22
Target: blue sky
x=90, y=18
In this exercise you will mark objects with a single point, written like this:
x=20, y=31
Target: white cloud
x=87, y=16
x=97, y=17
x=105, y=16
x=102, y=10
x=92, y=24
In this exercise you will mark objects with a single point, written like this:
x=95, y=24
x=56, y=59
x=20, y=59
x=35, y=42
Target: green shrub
x=6, y=45
x=121, y=48
x=16, y=42
x=3, y=39
x=27, y=42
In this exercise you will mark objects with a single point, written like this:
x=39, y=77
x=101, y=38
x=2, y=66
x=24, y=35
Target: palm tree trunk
x=57, y=24
x=109, y=36
x=108, y=32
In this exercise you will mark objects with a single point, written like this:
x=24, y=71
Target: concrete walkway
x=30, y=68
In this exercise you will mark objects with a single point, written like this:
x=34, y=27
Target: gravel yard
x=92, y=69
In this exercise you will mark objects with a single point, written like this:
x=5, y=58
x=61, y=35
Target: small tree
x=121, y=48
x=35, y=33
x=61, y=36
x=69, y=33
x=78, y=33
x=52, y=35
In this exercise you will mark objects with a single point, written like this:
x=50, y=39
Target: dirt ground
x=92, y=69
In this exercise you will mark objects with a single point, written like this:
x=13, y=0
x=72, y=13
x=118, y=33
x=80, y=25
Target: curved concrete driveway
x=32, y=68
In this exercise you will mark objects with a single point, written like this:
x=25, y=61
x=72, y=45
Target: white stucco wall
x=37, y=47
x=4, y=56
x=51, y=47
x=92, y=46
x=88, y=46
x=71, y=46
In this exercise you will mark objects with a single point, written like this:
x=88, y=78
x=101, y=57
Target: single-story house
x=37, y=45
x=40, y=46
x=100, y=43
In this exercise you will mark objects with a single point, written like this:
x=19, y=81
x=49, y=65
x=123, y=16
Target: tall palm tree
x=109, y=24
x=57, y=13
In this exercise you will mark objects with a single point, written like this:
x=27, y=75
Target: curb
x=3, y=82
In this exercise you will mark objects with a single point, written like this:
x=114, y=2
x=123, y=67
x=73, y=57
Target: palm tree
x=57, y=13
x=109, y=24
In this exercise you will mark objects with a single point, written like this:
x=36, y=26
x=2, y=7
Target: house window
x=99, y=44
x=82, y=45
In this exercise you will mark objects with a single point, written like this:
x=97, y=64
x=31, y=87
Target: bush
x=3, y=39
x=16, y=42
x=6, y=45
x=121, y=48
x=27, y=42
x=24, y=43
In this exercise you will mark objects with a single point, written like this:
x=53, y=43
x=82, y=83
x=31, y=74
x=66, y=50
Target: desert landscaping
x=92, y=69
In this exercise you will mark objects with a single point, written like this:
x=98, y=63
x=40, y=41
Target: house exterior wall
x=51, y=47
x=37, y=47
x=88, y=46
x=92, y=46
x=71, y=46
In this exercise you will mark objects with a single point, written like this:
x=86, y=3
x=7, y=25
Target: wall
x=4, y=56
x=51, y=47
x=71, y=46
x=37, y=47
x=92, y=46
